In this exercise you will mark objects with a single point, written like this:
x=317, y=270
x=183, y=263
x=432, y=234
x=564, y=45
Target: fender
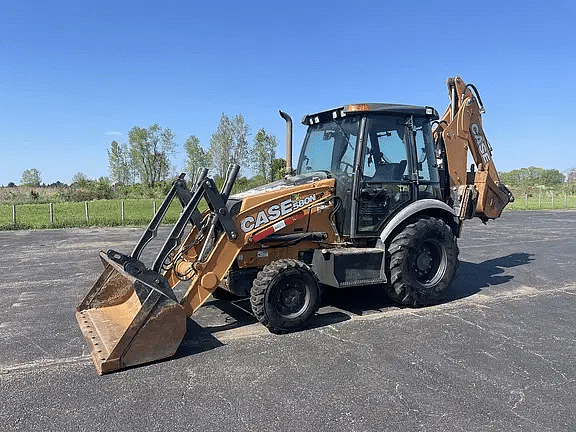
x=413, y=208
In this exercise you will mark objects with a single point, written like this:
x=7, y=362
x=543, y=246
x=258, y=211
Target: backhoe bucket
x=492, y=198
x=130, y=316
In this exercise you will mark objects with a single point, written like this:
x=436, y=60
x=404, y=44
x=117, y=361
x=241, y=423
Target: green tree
x=229, y=144
x=263, y=155
x=196, y=157
x=506, y=177
x=102, y=188
x=119, y=164
x=31, y=177
x=571, y=175
x=551, y=177
x=532, y=176
x=150, y=151
x=529, y=176
x=278, y=169
x=80, y=180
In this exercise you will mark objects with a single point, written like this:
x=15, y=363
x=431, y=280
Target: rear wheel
x=423, y=260
x=284, y=295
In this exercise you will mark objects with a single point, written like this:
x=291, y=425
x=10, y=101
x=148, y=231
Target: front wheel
x=284, y=295
x=423, y=260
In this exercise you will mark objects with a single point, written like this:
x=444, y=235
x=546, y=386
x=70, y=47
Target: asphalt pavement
x=497, y=355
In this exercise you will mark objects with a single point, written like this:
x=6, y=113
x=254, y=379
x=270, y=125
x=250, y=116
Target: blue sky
x=76, y=75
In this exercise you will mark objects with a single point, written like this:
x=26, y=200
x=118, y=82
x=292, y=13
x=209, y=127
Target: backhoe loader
x=379, y=195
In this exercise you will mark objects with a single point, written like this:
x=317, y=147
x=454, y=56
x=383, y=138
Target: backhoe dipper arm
x=475, y=193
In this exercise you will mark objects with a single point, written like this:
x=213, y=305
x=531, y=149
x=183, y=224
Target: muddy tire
x=285, y=295
x=423, y=260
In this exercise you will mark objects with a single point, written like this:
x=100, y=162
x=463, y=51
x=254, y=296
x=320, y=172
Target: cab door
x=385, y=183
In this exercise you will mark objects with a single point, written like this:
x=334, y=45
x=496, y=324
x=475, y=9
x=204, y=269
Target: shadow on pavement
x=196, y=340
x=238, y=311
x=471, y=278
x=339, y=305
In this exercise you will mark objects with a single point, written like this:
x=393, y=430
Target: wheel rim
x=292, y=297
x=430, y=263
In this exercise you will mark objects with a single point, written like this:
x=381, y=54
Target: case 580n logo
x=274, y=212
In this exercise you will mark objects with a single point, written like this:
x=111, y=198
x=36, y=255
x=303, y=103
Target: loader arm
x=477, y=192
x=205, y=261
x=132, y=316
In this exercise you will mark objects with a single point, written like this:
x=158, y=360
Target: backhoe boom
x=475, y=192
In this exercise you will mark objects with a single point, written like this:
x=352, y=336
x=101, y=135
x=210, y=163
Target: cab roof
x=379, y=108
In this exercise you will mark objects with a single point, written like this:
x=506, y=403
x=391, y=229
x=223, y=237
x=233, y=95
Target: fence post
x=154, y=208
x=565, y=199
x=14, y=214
x=552, y=200
x=540, y=200
x=526, y=206
x=122, y=210
x=86, y=208
x=51, y=213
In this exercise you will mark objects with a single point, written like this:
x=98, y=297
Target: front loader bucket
x=130, y=316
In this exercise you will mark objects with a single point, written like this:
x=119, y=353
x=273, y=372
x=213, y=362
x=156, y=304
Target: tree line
x=143, y=166
x=146, y=160
x=535, y=176
x=146, y=157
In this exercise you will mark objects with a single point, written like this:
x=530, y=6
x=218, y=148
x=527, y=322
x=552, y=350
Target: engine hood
x=286, y=183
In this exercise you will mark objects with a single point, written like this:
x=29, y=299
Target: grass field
x=545, y=201
x=73, y=214
x=141, y=211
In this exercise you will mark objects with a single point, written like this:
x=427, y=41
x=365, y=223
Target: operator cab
x=382, y=157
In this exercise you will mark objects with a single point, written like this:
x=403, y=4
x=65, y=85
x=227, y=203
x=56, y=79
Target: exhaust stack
x=288, y=119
